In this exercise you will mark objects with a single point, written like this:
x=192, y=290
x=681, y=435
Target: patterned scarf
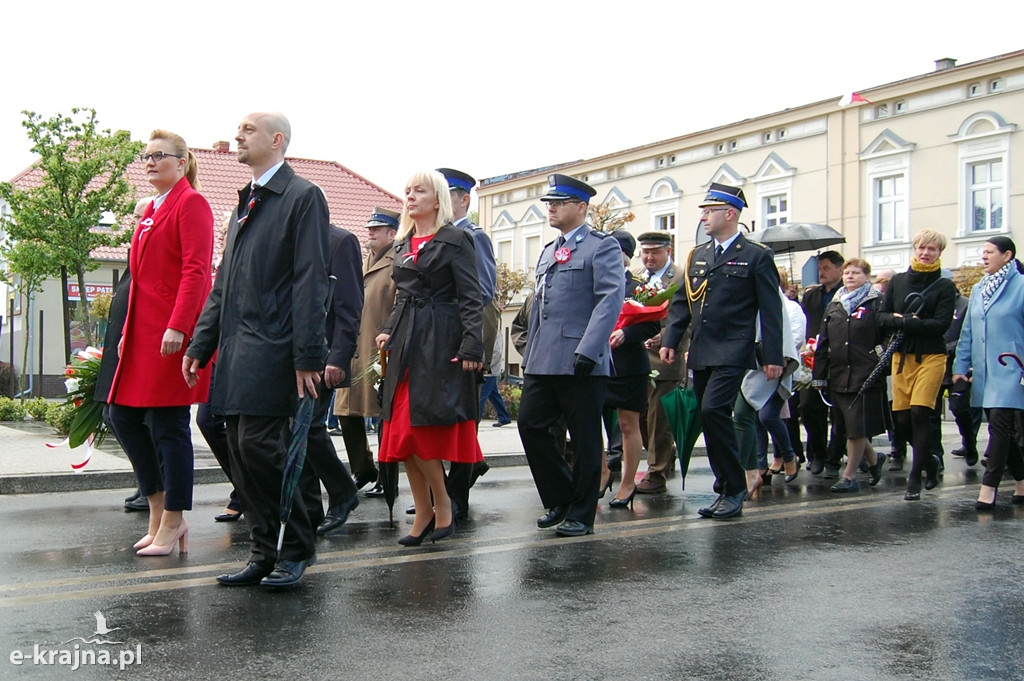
x=851, y=300
x=990, y=283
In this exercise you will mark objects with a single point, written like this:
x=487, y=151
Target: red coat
x=170, y=263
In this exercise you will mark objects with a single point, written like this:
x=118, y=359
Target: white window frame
x=900, y=212
x=982, y=137
x=781, y=216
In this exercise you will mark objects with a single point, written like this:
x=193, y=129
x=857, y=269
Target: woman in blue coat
x=996, y=310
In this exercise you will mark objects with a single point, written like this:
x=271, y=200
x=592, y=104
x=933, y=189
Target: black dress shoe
x=710, y=509
x=375, y=491
x=931, y=479
x=227, y=517
x=730, y=507
x=134, y=496
x=411, y=510
x=250, y=575
x=831, y=472
x=817, y=467
x=137, y=504
x=971, y=458
x=1017, y=499
x=287, y=572
x=573, y=528
x=337, y=515
x=364, y=478
x=553, y=517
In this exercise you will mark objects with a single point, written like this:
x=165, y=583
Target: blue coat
x=993, y=385
x=576, y=306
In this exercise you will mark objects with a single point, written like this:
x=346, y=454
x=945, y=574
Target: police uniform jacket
x=438, y=316
x=721, y=301
x=577, y=303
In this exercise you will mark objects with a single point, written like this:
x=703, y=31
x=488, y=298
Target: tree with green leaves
x=29, y=261
x=82, y=177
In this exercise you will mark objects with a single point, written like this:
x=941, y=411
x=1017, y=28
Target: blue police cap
x=382, y=217
x=457, y=179
x=724, y=195
x=565, y=188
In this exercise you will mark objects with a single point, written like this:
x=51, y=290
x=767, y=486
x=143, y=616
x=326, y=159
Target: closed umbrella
x=683, y=412
x=294, y=461
x=388, y=470
x=914, y=303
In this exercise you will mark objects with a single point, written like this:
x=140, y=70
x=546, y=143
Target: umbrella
x=790, y=237
x=683, y=412
x=914, y=302
x=293, y=463
x=388, y=470
x=1003, y=356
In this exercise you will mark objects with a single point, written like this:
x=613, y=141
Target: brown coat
x=675, y=371
x=379, y=299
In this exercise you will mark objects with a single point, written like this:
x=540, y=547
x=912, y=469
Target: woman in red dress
x=170, y=260
x=434, y=339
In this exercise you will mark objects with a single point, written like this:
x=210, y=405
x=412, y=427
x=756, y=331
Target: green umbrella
x=683, y=412
x=296, y=458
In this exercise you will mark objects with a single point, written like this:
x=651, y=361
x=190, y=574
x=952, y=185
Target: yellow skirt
x=918, y=384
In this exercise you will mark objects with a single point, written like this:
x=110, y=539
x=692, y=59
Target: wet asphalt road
x=807, y=585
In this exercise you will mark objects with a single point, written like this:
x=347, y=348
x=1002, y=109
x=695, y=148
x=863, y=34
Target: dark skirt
x=864, y=416
x=627, y=392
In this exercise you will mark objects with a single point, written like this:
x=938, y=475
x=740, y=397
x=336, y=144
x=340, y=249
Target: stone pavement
x=28, y=466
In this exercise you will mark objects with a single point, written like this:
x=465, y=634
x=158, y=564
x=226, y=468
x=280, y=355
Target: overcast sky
x=388, y=88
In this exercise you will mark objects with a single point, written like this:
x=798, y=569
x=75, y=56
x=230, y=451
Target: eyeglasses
x=562, y=202
x=157, y=156
x=705, y=211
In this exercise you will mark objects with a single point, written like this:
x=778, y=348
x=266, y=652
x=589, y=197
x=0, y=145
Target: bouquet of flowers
x=87, y=424
x=805, y=372
x=649, y=303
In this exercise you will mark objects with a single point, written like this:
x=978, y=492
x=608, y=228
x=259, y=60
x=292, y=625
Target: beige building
x=936, y=150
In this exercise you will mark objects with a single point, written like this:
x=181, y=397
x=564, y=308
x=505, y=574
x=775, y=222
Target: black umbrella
x=914, y=302
x=295, y=460
x=388, y=470
x=790, y=237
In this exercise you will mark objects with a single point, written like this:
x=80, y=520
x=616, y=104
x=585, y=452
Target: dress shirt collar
x=263, y=179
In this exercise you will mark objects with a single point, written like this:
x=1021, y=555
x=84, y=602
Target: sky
x=390, y=88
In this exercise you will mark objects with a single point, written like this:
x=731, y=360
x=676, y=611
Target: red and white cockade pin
x=562, y=255
x=859, y=313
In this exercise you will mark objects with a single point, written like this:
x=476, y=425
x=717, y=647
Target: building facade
x=942, y=150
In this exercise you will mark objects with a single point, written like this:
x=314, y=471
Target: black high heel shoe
x=931, y=480
x=449, y=530
x=623, y=503
x=607, y=487
x=417, y=539
x=984, y=505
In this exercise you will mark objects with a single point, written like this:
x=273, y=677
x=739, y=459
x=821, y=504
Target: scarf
x=918, y=266
x=990, y=283
x=851, y=300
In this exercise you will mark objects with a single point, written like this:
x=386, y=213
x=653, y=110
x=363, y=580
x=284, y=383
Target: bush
x=11, y=410
x=60, y=416
x=38, y=409
x=8, y=379
x=511, y=394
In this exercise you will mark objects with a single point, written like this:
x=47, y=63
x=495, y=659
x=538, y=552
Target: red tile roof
x=351, y=196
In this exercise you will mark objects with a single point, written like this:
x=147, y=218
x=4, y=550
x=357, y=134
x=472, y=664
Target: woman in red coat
x=170, y=260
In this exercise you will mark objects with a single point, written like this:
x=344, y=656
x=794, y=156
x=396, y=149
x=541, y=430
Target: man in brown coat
x=353, y=405
x=656, y=255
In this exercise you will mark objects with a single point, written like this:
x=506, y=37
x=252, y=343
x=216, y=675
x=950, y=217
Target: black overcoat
x=265, y=317
x=438, y=316
x=848, y=344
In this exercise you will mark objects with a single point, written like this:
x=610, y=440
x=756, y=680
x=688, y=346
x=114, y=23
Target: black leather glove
x=584, y=366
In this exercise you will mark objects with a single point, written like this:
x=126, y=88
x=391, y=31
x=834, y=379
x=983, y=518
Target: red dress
x=400, y=439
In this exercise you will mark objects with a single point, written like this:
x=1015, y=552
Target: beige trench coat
x=379, y=300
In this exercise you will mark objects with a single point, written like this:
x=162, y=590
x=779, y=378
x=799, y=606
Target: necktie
x=249, y=204
x=559, y=242
x=718, y=252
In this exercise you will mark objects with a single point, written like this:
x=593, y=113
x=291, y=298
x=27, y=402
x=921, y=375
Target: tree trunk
x=26, y=317
x=66, y=313
x=83, y=299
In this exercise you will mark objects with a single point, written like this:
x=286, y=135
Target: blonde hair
x=181, y=149
x=436, y=181
x=930, y=236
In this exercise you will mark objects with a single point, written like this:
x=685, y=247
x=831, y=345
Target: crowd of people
x=408, y=332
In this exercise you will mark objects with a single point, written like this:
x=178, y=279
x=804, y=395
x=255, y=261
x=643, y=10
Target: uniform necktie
x=559, y=242
x=718, y=252
x=249, y=204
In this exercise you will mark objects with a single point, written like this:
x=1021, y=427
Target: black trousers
x=323, y=464
x=1004, y=446
x=717, y=388
x=158, y=441
x=968, y=419
x=357, y=446
x=259, y=446
x=215, y=432
x=579, y=400
x=823, y=444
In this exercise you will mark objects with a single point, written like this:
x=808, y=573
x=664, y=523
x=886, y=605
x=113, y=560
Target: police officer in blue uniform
x=729, y=280
x=579, y=292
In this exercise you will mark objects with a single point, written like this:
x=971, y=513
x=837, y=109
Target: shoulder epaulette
x=599, y=235
x=756, y=243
